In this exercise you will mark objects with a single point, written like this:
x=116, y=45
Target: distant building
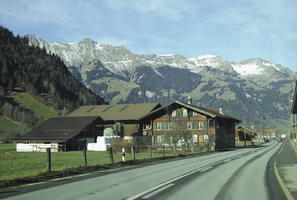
x=61, y=134
x=204, y=123
x=293, y=134
x=243, y=133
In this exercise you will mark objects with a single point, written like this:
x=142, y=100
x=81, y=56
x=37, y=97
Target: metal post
x=164, y=153
x=133, y=152
x=151, y=152
x=123, y=155
x=84, y=157
x=174, y=150
x=48, y=159
x=111, y=155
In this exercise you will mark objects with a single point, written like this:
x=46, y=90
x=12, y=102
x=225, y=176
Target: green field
x=22, y=164
x=28, y=101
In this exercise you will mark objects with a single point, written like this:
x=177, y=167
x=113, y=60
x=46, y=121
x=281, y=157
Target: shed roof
x=116, y=112
x=58, y=129
x=200, y=110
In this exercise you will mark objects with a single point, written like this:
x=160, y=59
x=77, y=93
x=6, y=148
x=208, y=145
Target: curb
x=293, y=145
x=287, y=193
x=282, y=184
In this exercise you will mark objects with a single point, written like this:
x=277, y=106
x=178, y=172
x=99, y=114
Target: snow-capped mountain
x=120, y=60
x=251, y=90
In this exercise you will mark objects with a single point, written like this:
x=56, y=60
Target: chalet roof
x=294, y=104
x=58, y=129
x=176, y=104
x=116, y=112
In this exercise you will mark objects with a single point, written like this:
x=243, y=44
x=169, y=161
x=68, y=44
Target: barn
x=125, y=115
x=61, y=134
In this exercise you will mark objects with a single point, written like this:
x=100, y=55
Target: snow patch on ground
x=99, y=46
x=272, y=65
x=247, y=95
x=149, y=94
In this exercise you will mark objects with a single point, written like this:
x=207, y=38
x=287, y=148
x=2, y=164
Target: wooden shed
x=61, y=134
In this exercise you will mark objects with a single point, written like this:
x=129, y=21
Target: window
x=200, y=125
x=211, y=123
x=190, y=113
x=173, y=114
x=155, y=125
x=171, y=125
x=195, y=125
x=158, y=125
x=185, y=112
x=164, y=126
x=189, y=125
x=179, y=112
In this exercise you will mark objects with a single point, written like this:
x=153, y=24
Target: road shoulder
x=286, y=170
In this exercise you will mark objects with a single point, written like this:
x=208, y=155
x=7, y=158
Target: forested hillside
x=35, y=85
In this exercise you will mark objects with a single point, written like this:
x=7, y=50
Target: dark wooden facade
x=204, y=123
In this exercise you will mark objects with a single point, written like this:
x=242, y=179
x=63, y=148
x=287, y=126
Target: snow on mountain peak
x=207, y=56
x=247, y=69
x=119, y=59
x=166, y=55
x=256, y=66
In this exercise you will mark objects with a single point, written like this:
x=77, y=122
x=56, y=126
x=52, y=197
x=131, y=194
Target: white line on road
x=163, y=185
x=205, y=169
x=157, y=191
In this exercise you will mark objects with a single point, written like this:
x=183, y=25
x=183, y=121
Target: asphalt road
x=239, y=174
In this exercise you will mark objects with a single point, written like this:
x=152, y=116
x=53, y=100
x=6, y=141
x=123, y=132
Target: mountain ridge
x=124, y=77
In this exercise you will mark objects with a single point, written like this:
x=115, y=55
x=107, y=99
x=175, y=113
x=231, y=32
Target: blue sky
x=233, y=29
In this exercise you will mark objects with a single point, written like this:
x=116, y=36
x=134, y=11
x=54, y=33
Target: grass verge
x=27, y=167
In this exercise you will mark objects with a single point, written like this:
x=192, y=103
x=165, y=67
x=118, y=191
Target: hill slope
x=35, y=85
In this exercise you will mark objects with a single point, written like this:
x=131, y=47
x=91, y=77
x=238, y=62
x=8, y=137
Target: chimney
x=189, y=100
x=221, y=110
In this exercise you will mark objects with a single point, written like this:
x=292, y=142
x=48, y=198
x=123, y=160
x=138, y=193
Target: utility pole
x=244, y=134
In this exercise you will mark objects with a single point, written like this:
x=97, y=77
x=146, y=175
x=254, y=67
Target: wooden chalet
x=206, y=124
x=126, y=114
x=61, y=134
x=243, y=133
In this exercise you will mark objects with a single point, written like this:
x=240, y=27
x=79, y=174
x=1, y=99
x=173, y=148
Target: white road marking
x=161, y=185
x=205, y=169
x=170, y=182
x=157, y=191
